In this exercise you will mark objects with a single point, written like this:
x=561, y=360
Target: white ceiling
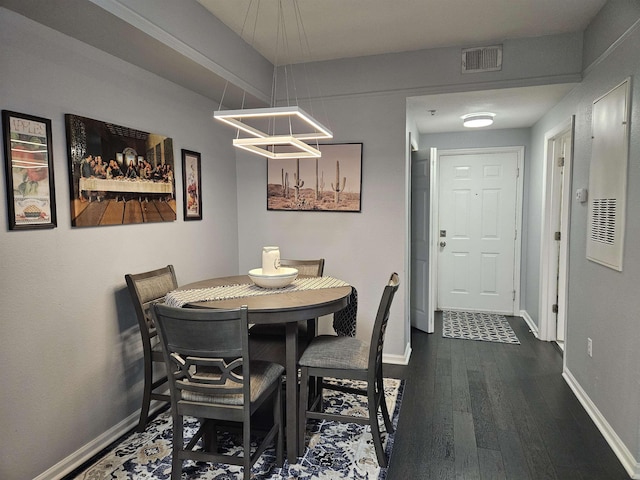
x=514, y=107
x=351, y=28
x=348, y=28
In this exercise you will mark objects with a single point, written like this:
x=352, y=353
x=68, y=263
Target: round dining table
x=277, y=307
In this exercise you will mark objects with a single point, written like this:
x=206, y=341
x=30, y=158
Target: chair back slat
x=147, y=289
x=380, y=324
x=309, y=268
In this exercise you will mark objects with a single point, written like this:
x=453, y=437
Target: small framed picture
x=28, y=159
x=192, y=185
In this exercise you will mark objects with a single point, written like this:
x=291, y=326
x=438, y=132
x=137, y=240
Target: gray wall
x=70, y=348
x=613, y=20
x=603, y=304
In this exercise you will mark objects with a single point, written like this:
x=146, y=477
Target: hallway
x=492, y=411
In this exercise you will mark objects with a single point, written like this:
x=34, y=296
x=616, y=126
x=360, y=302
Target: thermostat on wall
x=581, y=195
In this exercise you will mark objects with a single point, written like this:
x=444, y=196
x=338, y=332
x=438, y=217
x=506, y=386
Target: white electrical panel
x=608, y=177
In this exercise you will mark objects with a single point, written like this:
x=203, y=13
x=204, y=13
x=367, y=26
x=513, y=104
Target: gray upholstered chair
x=211, y=377
x=349, y=358
x=146, y=289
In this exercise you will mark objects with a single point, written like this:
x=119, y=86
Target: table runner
x=178, y=298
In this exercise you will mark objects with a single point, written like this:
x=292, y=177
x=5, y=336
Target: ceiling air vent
x=482, y=59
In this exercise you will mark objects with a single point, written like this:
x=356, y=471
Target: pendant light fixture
x=277, y=131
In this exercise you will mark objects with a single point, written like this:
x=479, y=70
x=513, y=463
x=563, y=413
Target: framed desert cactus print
x=331, y=183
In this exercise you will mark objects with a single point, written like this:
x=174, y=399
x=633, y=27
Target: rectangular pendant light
x=237, y=119
x=259, y=146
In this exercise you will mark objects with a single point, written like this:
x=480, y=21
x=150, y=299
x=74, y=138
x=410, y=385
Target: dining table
x=305, y=298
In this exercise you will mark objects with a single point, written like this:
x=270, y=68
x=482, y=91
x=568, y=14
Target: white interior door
x=554, y=242
x=478, y=221
x=420, y=240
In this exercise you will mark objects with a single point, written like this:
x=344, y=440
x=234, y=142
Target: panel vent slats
x=482, y=59
x=603, y=220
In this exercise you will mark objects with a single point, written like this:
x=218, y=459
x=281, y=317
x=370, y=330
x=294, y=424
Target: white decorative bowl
x=284, y=277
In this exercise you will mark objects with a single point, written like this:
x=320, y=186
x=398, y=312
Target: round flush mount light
x=476, y=120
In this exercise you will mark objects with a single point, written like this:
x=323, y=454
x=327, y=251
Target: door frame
x=434, y=220
x=552, y=209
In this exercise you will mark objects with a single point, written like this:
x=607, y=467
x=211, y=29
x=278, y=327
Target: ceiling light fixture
x=477, y=120
x=277, y=131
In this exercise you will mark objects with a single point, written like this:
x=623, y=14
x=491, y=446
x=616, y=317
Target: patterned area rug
x=488, y=327
x=335, y=450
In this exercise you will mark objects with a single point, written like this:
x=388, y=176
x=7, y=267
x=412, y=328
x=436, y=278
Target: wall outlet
x=589, y=347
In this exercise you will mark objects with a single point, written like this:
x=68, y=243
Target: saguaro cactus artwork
x=298, y=182
x=337, y=188
x=317, y=182
x=285, y=183
x=319, y=195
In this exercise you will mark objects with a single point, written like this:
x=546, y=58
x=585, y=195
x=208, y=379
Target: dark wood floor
x=484, y=410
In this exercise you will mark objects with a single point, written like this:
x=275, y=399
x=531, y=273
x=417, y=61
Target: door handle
x=443, y=244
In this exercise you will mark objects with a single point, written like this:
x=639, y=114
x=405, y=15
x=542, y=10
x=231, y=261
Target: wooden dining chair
x=349, y=358
x=308, y=330
x=147, y=289
x=212, y=378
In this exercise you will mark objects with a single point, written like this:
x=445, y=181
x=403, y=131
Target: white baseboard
x=619, y=448
x=398, y=359
x=94, y=447
x=532, y=326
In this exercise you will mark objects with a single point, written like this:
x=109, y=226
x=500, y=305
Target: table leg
x=292, y=391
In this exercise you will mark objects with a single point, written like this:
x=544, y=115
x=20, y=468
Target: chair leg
x=246, y=446
x=375, y=428
x=383, y=405
x=277, y=417
x=315, y=393
x=178, y=445
x=302, y=417
x=146, y=395
x=210, y=437
x=318, y=393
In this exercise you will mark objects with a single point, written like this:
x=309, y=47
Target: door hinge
x=517, y=172
x=556, y=236
x=514, y=296
x=561, y=161
x=554, y=308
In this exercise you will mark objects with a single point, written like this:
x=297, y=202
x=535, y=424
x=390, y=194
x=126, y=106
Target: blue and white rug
x=334, y=450
x=488, y=327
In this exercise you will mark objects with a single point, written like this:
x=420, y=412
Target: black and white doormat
x=488, y=327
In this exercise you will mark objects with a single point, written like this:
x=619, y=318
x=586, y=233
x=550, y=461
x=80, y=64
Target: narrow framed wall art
x=28, y=157
x=192, y=185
